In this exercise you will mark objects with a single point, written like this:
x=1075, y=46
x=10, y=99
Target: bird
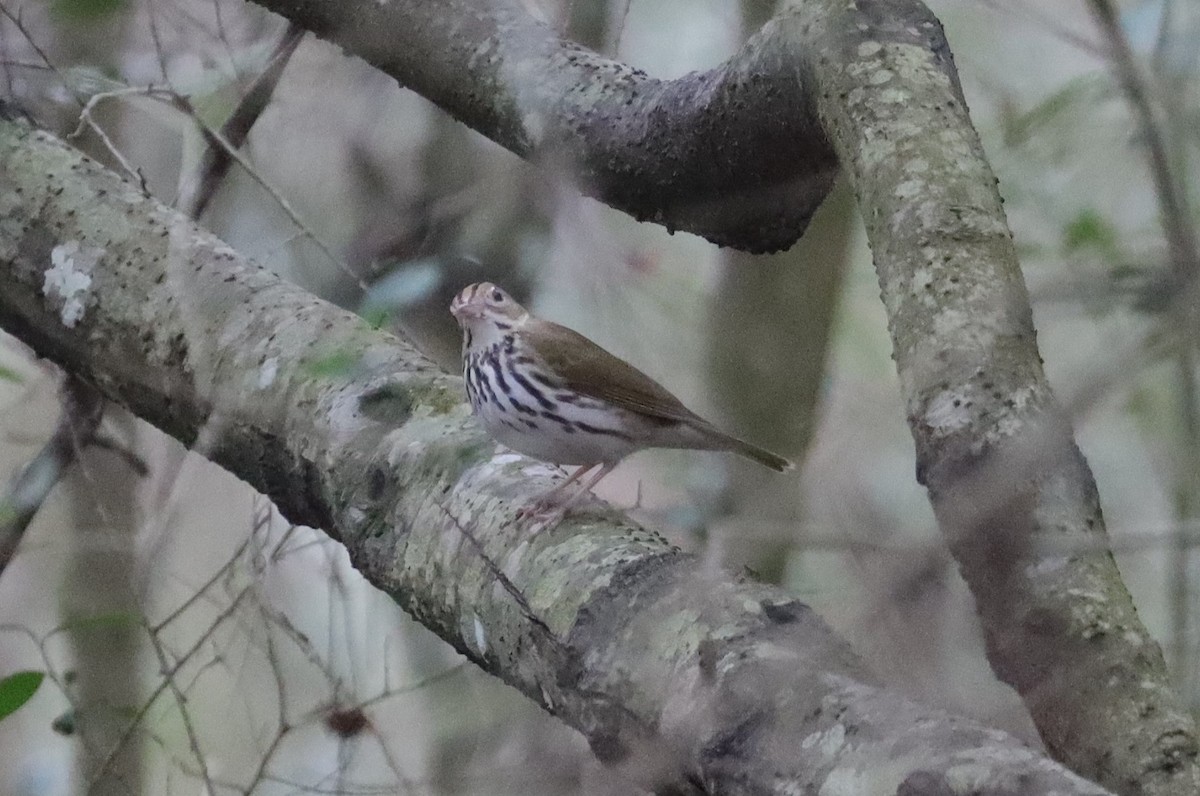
x=550, y=393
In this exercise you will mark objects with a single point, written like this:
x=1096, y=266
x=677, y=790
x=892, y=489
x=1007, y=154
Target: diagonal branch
x=732, y=154
x=28, y=489
x=735, y=154
x=693, y=683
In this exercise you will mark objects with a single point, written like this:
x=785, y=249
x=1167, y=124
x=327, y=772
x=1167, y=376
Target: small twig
x=501, y=578
x=85, y=119
x=20, y=26
x=181, y=702
x=169, y=672
x=130, y=457
x=81, y=413
x=1047, y=22
x=214, y=165
x=182, y=104
x=1184, y=253
x=1175, y=216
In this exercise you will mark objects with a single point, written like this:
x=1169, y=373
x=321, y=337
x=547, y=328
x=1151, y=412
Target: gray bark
x=692, y=683
x=1012, y=493
x=733, y=154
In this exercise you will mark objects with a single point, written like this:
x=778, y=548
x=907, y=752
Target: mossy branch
x=691, y=682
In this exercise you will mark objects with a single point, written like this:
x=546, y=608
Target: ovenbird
x=549, y=392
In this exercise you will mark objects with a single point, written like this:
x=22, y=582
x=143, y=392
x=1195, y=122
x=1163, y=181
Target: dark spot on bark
x=784, y=613
x=737, y=741
x=607, y=747
x=376, y=483
x=389, y=404
x=925, y=783
x=707, y=654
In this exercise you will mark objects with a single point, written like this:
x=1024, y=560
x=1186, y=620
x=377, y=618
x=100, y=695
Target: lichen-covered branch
x=1013, y=494
x=733, y=154
x=690, y=682
x=1003, y=472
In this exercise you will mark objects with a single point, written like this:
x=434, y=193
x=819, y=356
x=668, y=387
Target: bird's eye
x=497, y=296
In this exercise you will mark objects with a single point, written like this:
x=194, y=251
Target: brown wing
x=589, y=369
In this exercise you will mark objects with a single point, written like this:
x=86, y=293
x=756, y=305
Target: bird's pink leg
x=545, y=502
x=587, y=487
x=556, y=513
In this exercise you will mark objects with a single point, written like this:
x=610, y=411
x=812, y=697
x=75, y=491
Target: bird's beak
x=463, y=311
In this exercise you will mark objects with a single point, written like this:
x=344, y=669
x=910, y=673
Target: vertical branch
x=101, y=578
x=100, y=575
x=771, y=323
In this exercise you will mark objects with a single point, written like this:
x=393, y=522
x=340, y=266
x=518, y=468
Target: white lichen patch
x=947, y=412
x=869, y=48
x=267, y=371
x=881, y=76
x=1046, y=566
x=827, y=742
x=845, y=781
x=69, y=279
x=480, y=634
x=535, y=125
x=503, y=458
x=1015, y=418
x=909, y=189
x=221, y=249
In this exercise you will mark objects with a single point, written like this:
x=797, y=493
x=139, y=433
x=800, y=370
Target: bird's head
x=486, y=313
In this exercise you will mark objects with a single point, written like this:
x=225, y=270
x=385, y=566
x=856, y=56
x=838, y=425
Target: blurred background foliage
x=188, y=634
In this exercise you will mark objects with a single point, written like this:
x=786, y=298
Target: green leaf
x=1090, y=230
x=86, y=10
x=17, y=689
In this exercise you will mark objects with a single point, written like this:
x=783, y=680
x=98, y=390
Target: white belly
x=588, y=436
x=554, y=424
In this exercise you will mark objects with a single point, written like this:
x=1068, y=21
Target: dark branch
x=733, y=154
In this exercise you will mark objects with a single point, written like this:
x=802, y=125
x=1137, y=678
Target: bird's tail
x=750, y=451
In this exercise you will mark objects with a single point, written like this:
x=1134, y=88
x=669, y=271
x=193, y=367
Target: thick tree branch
x=694, y=683
x=1003, y=472
x=732, y=154
x=1013, y=494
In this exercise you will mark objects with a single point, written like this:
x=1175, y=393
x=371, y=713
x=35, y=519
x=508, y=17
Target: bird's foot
x=541, y=509
x=551, y=507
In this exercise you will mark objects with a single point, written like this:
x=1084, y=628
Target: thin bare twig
x=196, y=194
x=82, y=408
x=1184, y=255
x=20, y=26
x=1175, y=215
